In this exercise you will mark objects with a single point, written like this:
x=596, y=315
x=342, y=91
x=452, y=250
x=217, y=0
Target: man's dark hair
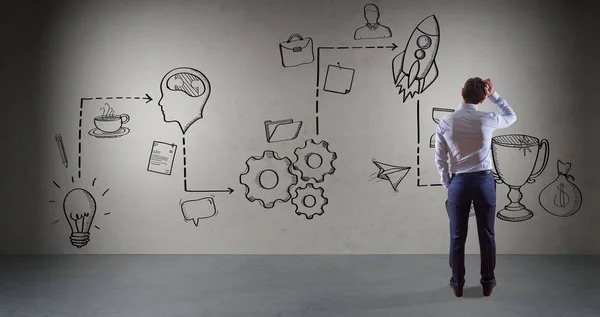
x=474, y=90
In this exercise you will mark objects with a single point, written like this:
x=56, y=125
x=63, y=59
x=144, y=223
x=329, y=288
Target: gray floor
x=315, y=286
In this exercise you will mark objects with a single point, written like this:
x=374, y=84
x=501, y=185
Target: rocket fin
x=414, y=71
x=430, y=77
x=397, y=63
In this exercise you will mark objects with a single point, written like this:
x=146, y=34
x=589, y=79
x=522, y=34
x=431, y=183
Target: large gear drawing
x=268, y=179
x=314, y=160
x=309, y=201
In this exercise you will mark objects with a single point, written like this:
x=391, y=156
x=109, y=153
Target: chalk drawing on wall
x=296, y=51
x=339, y=79
x=471, y=212
x=109, y=124
x=61, y=150
x=79, y=208
x=309, y=201
x=162, y=156
x=197, y=209
x=184, y=93
x=436, y=115
x=282, y=130
x=561, y=198
x=268, y=179
x=314, y=160
x=393, y=174
x=420, y=183
x=372, y=29
x=520, y=152
x=415, y=69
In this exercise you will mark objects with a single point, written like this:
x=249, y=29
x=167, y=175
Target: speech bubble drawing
x=197, y=209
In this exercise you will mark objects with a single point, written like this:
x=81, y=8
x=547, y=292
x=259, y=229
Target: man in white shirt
x=463, y=159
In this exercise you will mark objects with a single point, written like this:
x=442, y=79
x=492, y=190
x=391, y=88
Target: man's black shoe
x=487, y=289
x=457, y=292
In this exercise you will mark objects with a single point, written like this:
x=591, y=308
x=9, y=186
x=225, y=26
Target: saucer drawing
x=101, y=134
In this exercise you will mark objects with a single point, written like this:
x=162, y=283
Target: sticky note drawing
x=339, y=79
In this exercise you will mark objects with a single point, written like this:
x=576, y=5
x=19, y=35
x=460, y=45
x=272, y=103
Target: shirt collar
x=373, y=26
x=468, y=106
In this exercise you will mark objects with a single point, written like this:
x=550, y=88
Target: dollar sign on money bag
x=561, y=198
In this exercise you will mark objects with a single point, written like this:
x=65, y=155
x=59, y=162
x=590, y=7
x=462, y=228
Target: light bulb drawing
x=79, y=209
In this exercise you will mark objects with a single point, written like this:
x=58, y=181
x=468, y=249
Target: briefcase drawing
x=282, y=130
x=296, y=51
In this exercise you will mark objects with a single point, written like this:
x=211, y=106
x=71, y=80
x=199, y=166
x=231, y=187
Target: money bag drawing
x=562, y=198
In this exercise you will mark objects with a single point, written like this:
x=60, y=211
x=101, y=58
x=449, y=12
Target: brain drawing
x=188, y=83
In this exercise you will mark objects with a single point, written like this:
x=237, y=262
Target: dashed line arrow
x=185, y=188
x=81, y=103
x=392, y=47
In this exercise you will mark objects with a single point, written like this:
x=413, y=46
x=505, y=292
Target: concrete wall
x=64, y=61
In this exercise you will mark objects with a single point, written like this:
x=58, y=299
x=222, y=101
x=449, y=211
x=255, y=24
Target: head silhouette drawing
x=371, y=13
x=184, y=92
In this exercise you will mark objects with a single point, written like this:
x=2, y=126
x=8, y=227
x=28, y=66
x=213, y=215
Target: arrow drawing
x=83, y=101
x=228, y=190
x=392, y=47
x=185, y=187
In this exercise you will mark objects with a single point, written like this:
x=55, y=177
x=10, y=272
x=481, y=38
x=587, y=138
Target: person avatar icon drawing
x=372, y=30
x=184, y=92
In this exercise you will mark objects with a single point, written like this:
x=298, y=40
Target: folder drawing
x=282, y=130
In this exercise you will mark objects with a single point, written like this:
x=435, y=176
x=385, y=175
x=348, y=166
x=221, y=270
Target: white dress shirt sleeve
x=441, y=156
x=506, y=116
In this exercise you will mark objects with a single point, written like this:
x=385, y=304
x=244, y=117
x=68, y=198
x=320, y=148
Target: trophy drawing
x=515, y=158
x=436, y=115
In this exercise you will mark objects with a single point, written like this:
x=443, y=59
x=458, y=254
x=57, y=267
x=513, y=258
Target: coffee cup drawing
x=109, y=124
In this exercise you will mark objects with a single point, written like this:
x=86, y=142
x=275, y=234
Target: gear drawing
x=314, y=160
x=309, y=201
x=268, y=179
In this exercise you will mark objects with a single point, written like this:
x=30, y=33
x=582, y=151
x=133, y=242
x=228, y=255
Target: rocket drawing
x=414, y=69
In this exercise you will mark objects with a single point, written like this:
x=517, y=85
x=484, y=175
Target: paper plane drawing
x=414, y=69
x=392, y=173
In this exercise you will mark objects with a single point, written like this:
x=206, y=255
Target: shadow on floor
x=473, y=292
x=393, y=300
